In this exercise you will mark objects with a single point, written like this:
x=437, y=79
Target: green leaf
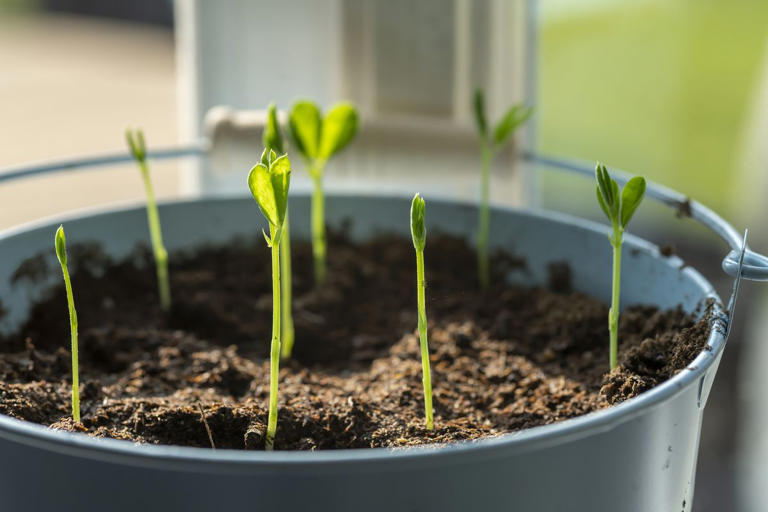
x=338, y=128
x=601, y=201
x=280, y=176
x=418, y=228
x=136, y=144
x=273, y=137
x=304, y=123
x=269, y=187
x=608, y=191
x=631, y=197
x=61, y=245
x=268, y=156
x=514, y=117
x=480, y=121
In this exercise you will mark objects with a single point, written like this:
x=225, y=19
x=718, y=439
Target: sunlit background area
x=676, y=91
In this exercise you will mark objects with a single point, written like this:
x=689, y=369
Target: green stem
x=274, y=354
x=156, y=235
x=613, y=314
x=426, y=374
x=286, y=309
x=73, y=331
x=318, y=225
x=484, y=220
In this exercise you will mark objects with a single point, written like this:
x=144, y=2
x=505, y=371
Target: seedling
x=139, y=152
x=61, y=254
x=269, y=181
x=273, y=141
x=490, y=145
x=319, y=138
x=619, y=208
x=419, y=234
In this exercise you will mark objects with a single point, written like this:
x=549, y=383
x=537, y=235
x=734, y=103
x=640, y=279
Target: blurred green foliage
x=658, y=88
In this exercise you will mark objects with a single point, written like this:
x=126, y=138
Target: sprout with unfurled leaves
x=61, y=253
x=269, y=181
x=318, y=138
x=619, y=206
x=419, y=235
x=273, y=141
x=139, y=152
x=490, y=144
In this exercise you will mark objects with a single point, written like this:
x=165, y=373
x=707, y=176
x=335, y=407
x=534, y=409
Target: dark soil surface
x=502, y=360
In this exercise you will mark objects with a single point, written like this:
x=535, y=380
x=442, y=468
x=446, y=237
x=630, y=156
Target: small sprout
x=269, y=181
x=419, y=234
x=618, y=206
x=319, y=138
x=61, y=254
x=139, y=152
x=490, y=144
x=273, y=140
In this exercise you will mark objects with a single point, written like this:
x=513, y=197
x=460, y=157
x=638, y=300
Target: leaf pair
x=618, y=206
x=506, y=127
x=269, y=181
x=418, y=229
x=136, y=143
x=317, y=137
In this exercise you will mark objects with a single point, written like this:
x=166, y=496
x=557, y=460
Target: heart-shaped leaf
x=273, y=137
x=61, y=245
x=479, y=108
x=514, y=117
x=269, y=187
x=418, y=228
x=631, y=197
x=338, y=128
x=305, y=126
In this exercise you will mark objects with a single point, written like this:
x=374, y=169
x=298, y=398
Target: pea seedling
x=139, y=152
x=61, y=254
x=619, y=208
x=419, y=235
x=319, y=138
x=490, y=145
x=269, y=181
x=273, y=141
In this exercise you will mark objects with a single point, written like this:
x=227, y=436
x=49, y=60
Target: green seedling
x=618, y=206
x=139, y=152
x=318, y=138
x=61, y=254
x=269, y=181
x=419, y=234
x=490, y=144
x=273, y=141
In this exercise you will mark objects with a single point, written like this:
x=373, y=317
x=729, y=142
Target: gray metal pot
x=637, y=456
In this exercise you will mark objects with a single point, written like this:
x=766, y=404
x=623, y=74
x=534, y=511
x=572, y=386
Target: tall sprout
x=317, y=139
x=139, y=151
x=490, y=144
x=419, y=235
x=273, y=141
x=269, y=181
x=61, y=253
x=618, y=206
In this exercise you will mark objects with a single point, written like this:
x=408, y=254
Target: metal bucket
x=638, y=456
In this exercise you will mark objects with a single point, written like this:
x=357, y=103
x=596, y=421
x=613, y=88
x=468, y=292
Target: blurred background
x=676, y=91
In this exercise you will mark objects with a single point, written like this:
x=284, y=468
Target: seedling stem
x=61, y=254
x=138, y=149
x=419, y=234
